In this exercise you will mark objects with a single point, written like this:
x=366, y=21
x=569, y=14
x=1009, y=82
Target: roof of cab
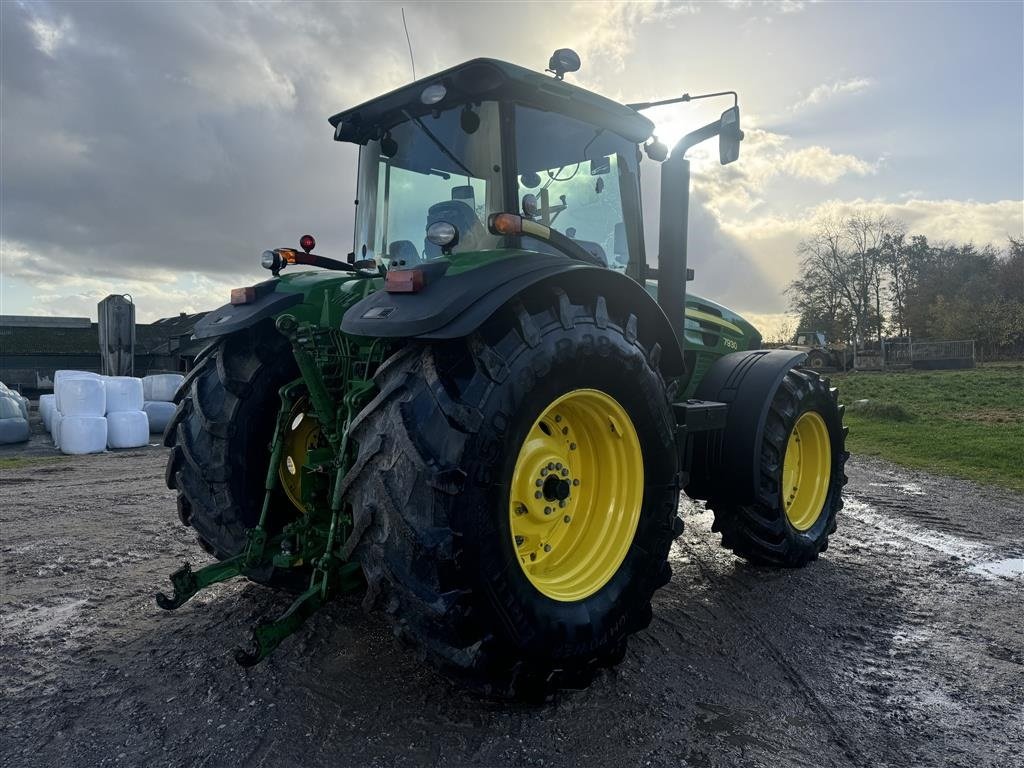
x=481, y=79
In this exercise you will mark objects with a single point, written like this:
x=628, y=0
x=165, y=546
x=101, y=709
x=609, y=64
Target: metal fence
x=926, y=353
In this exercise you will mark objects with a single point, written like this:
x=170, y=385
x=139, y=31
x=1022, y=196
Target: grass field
x=967, y=423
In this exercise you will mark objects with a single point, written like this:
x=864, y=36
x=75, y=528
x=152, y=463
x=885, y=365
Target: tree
x=842, y=273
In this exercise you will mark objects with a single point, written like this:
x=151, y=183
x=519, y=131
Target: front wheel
x=800, y=478
x=519, y=492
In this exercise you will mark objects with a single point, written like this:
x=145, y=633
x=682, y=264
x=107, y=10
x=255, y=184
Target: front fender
x=727, y=462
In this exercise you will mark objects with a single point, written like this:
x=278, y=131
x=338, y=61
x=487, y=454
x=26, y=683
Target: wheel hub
x=806, y=471
x=576, y=494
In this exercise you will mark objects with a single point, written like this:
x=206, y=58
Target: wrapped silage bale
x=160, y=387
x=159, y=414
x=83, y=434
x=60, y=376
x=124, y=393
x=82, y=397
x=13, y=426
x=47, y=405
x=127, y=429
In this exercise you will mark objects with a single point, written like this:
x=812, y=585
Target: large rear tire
x=801, y=478
x=220, y=435
x=448, y=451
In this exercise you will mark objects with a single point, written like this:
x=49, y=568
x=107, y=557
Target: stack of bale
x=13, y=416
x=158, y=391
x=127, y=424
x=78, y=423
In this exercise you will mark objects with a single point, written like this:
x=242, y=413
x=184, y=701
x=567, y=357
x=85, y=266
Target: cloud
x=769, y=157
x=778, y=6
x=828, y=91
x=940, y=220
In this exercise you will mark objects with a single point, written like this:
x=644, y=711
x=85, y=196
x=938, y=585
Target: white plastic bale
x=83, y=434
x=124, y=393
x=127, y=429
x=13, y=430
x=161, y=386
x=82, y=397
x=60, y=376
x=159, y=413
x=10, y=408
x=47, y=404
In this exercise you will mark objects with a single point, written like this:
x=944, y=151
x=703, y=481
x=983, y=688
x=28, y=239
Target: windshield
x=443, y=167
x=579, y=178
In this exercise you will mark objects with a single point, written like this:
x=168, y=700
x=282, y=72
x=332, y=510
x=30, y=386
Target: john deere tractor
x=483, y=417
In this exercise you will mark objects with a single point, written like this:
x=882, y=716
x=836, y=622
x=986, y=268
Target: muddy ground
x=903, y=646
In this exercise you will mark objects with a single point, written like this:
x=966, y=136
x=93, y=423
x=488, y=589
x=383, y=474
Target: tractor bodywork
x=498, y=217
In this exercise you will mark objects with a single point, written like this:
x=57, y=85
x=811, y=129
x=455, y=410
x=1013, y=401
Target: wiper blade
x=438, y=143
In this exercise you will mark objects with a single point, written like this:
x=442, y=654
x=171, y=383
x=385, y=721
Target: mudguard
x=235, y=317
x=456, y=305
x=726, y=463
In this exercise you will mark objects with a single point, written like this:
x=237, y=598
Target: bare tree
x=843, y=270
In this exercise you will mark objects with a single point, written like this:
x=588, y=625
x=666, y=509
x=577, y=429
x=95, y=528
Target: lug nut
x=565, y=473
x=548, y=510
x=539, y=483
x=562, y=503
x=537, y=495
x=551, y=465
x=547, y=547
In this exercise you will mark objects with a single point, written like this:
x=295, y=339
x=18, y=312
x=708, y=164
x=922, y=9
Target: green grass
x=15, y=462
x=967, y=423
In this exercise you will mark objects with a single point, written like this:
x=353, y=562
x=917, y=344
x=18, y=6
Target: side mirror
x=729, y=136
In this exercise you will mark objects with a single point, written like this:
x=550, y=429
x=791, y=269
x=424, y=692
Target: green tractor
x=484, y=416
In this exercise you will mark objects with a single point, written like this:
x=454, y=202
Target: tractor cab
x=441, y=156
x=488, y=157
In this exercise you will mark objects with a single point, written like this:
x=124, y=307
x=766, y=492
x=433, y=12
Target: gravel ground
x=901, y=646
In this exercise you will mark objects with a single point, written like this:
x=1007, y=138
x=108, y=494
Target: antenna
x=409, y=42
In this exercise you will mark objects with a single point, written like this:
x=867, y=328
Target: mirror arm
x=693, y=138
x=684, y=98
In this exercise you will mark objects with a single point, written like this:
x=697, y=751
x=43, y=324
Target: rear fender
x=231, y=317
x=726, y=463
x=455, y=306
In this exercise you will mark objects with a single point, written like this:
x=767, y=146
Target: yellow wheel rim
x=806, y=471
x=576, y=494
x=302, y=435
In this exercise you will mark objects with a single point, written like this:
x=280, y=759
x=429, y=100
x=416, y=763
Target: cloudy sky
x=157, y=148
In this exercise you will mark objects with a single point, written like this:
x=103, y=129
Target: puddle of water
x=1001, y=569
x=976, y=556
x=946, y=543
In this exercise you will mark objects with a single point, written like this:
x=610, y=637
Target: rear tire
x=437, y=450
x=817, y=360
x=220, y=435
x=763, y=532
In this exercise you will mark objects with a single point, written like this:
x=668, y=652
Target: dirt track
x=902, y=646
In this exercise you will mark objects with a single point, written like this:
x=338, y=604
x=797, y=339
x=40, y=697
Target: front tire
x=801, y=478
x=441, y=473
